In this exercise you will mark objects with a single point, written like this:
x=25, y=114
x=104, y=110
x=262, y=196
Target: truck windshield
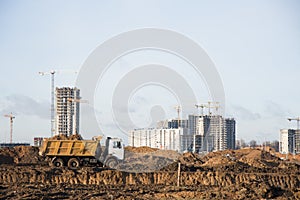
x=117, y=144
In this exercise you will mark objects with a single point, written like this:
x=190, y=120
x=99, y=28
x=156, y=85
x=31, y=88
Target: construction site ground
x=152, y=174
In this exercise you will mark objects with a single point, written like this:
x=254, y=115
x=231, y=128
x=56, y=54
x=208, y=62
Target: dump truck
x=75, y=153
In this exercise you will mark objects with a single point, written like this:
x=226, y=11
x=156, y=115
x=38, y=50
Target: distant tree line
x=253, y=144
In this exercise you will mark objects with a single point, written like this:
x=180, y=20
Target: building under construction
x=289, y=141
x=197, y=134
x=67, y=110
x=211, y=132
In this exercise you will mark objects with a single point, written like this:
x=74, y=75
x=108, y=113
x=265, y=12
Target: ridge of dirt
x=143, y=149
x=65, y=137
x=148, y=173
x=20, y=155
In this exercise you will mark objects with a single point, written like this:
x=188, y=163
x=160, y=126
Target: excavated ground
x=239, y=174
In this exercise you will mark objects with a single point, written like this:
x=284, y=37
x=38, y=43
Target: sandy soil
x=239, y=174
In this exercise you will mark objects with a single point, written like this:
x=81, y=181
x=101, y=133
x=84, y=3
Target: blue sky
x=255, y=46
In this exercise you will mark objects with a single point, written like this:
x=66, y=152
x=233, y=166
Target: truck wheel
x=73, y=163
x=111, y=163
x=58, y=162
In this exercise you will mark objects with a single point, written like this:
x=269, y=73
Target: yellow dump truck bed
x=70, y=148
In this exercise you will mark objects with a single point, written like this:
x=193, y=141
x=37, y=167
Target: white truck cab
x=114, y=152
x=116, y=148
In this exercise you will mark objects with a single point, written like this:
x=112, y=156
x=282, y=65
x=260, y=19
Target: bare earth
x=152, y=174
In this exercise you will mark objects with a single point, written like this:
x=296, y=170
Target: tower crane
x=212, y=104
x=52, y=74
x=11, y=118
x=295, y=119
x=209, y=105
x=178, y=109
x=202, y=106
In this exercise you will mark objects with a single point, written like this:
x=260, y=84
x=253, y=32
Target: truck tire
x=73, y=163
x=57, y=162
x=111, y=163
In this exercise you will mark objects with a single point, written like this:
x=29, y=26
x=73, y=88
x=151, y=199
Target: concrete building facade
x=212, y=132
x=230, y=125
x=166, y=139
x=297, y=141
x=197, y=134
x=172, y=123
x=289, y=141
x=67, y=110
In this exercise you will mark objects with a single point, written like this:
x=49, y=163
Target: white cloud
x=24, y=105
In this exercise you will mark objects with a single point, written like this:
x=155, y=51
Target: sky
x=255, y=46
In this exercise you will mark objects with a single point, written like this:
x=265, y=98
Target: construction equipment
x=75, y=153
x=52, y=73
x=209, y=105
x=295, y=119
x=202, y=106
x=212, y=104
x=11, y=118
x=77, y=100
x=178, y=109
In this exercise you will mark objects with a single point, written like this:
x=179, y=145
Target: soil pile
x=65, y=137
x=146, y=159
x=152, y=174
x=35, y=182
x=140, y=149
x=7, y=156
x=20, y=155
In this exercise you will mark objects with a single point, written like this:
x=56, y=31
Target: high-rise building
x=162, y=138
x=197, y=134
x=287, y=141
x=67, y=110
x=212, y=132
x=297, y=141
x=230, y=132
x=172, y=123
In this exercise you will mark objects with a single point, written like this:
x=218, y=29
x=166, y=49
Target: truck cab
x=114, y=152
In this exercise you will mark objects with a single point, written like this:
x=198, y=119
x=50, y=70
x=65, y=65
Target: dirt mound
x=218, y=158
x=143, y=149
x=238, y=161
x=65, y=137
x=146, y=159
x=239, y=174
x=189, y=159
x=20, y=155
x=35, y=182
x=6, y=156
x=260, y=159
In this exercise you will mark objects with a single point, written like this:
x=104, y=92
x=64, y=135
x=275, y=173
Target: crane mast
x=52, y=74
x=202, y=106
x=11, y=119
x=178, y=109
